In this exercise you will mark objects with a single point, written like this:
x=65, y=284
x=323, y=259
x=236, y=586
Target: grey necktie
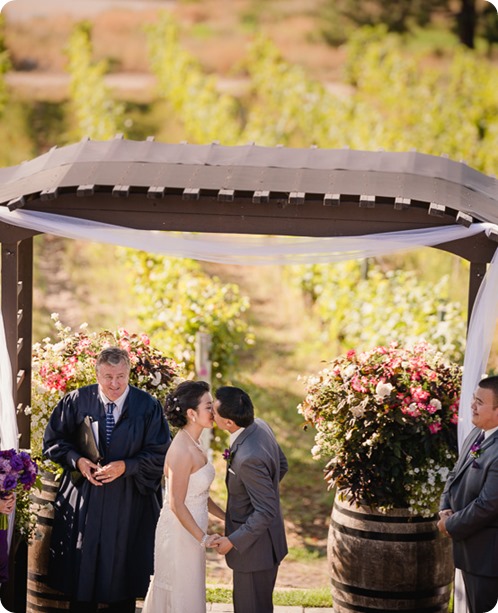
x=109, y=421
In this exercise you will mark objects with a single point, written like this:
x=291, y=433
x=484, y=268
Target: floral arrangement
x=63, y=366
x=18, y=474
x=386, y=422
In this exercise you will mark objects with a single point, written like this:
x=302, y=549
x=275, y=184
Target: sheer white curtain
x=8, y=420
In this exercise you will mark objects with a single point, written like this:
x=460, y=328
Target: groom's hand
x=223, y=545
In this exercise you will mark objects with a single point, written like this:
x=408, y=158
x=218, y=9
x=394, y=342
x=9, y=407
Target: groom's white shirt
x=234, y=435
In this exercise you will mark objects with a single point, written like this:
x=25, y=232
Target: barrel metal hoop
x=364, y=609
x=37, y=577
x=45, y=521
x=388, y=519
x=360, y=591
x=43, y=501
x=386, y=536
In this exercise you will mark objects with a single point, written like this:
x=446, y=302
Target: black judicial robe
x=102, y=545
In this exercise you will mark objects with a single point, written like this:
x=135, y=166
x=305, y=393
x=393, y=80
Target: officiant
x=111, y=439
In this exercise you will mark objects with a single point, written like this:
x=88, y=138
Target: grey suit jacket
x=471, y=492
x=254, y=519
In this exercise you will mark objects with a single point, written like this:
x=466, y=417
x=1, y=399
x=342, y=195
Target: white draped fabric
x=8, y=421
x=261, y=250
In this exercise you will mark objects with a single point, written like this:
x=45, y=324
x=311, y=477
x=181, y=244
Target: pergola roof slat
x=231, y=182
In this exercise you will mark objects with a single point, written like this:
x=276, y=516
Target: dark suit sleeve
x=284, y=465
x=480, y=512
x=264, y=500
x=58, y=440
x=445, y=497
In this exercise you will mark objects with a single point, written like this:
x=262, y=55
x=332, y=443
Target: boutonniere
x=228, y=456
x=475, y=451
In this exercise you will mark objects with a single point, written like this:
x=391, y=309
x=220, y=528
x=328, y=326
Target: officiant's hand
x=110, y=472
x=88, y=469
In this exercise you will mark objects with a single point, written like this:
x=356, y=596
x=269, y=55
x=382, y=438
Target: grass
x=317, y=598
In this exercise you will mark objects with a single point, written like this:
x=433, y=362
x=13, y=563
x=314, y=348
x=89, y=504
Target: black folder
x=85, y=440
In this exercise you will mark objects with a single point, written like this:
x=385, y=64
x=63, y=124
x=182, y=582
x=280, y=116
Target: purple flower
x=228, y=456
x=475, y=450
x=9, y=483
x=16, y=469
x=17, y=463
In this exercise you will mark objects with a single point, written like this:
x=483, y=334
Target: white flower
x=349, y=371
x=155, y=378
x=436, y=403
x=315, y=452
x=383, y=389
x=358, y=410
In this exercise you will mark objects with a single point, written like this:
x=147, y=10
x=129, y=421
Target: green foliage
x=287, y=107
x=176, y=299
x=207, y=116
x=4, y=66
x=361, y=306
x=452, y=111
x=97, y=115
x=25, y=524
x=399, y=102
x=341, y=17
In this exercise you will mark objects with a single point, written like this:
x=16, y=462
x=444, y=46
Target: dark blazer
x=471, y=492
x=254, y=519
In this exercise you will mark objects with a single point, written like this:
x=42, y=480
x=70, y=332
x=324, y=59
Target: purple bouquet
x=17, y=472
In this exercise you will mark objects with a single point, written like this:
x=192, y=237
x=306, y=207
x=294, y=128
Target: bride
x=179, y=581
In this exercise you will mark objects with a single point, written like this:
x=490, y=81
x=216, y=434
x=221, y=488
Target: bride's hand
x=212, y=540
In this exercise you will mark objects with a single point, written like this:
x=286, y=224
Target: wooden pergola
x=242, y=190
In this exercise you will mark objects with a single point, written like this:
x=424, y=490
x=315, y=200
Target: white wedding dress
x=179, y=581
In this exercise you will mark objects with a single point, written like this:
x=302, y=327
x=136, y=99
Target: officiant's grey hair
x=113, y=356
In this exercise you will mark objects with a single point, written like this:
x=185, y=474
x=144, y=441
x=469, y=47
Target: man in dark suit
x=105, y=513
x=255, y=542
x=469, y=504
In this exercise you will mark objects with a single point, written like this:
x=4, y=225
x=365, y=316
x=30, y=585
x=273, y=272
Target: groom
x=255, y=542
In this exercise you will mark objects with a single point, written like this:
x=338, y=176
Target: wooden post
x=16, y=300
x=476, y=276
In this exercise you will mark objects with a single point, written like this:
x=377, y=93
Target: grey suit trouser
x=253, y=592
x=481, y=592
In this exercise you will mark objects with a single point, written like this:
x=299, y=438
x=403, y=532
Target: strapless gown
x=179, y=581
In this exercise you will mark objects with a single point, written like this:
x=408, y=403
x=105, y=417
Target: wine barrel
x=40, y=597
x=391, y=561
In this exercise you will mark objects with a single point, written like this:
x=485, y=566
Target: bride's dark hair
x=185, y=396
